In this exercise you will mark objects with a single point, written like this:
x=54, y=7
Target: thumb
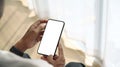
x=50, y=59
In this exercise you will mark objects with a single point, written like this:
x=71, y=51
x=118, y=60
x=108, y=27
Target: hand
x=32, y=36
x=56, y=61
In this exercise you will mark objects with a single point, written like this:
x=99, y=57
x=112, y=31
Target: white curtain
x=94, y=22
x=79, y=16
x=112, y=50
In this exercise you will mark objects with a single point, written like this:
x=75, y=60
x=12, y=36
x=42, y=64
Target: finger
x=40, y=21
x=38, y=39
x=42, y=32
x=44, y=58
x=50, y=59
x=40, y=36
x=60, y=51
x=36, y=23
x=43, y=21
x=43, y=26
x=40, y=27
x=55, y=57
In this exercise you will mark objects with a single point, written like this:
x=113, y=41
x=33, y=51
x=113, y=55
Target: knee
x=75, y=64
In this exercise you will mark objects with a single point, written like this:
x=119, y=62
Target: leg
x=75, y=64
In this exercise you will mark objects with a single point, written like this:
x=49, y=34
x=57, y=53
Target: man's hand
x=32, y=36
x=56, y=61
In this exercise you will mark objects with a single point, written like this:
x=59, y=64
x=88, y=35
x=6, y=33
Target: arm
x=31, y=37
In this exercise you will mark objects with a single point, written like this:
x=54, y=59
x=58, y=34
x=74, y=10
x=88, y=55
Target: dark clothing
x=19, y=53
x=75, y=64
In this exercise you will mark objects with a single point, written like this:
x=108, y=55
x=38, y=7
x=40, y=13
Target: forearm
x=20, y=46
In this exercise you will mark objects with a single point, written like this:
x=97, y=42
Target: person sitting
x=17, y=58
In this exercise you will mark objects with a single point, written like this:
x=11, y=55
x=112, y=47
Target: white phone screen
x=51, y=37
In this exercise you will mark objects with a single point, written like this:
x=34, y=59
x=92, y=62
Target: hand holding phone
x=57, y=60
x=51, y=37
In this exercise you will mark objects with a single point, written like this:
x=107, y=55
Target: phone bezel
x=58, y=39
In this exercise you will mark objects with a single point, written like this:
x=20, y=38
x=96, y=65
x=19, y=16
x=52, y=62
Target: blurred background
x=91, y=35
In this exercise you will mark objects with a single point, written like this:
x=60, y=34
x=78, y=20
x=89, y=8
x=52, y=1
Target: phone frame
x=58, y=39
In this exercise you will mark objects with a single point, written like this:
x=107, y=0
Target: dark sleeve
x=19, y=53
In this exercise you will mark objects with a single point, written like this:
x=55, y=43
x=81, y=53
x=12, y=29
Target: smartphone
x=51, y=37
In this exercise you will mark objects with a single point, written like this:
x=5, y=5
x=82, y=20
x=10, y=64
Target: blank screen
x=51, y=37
